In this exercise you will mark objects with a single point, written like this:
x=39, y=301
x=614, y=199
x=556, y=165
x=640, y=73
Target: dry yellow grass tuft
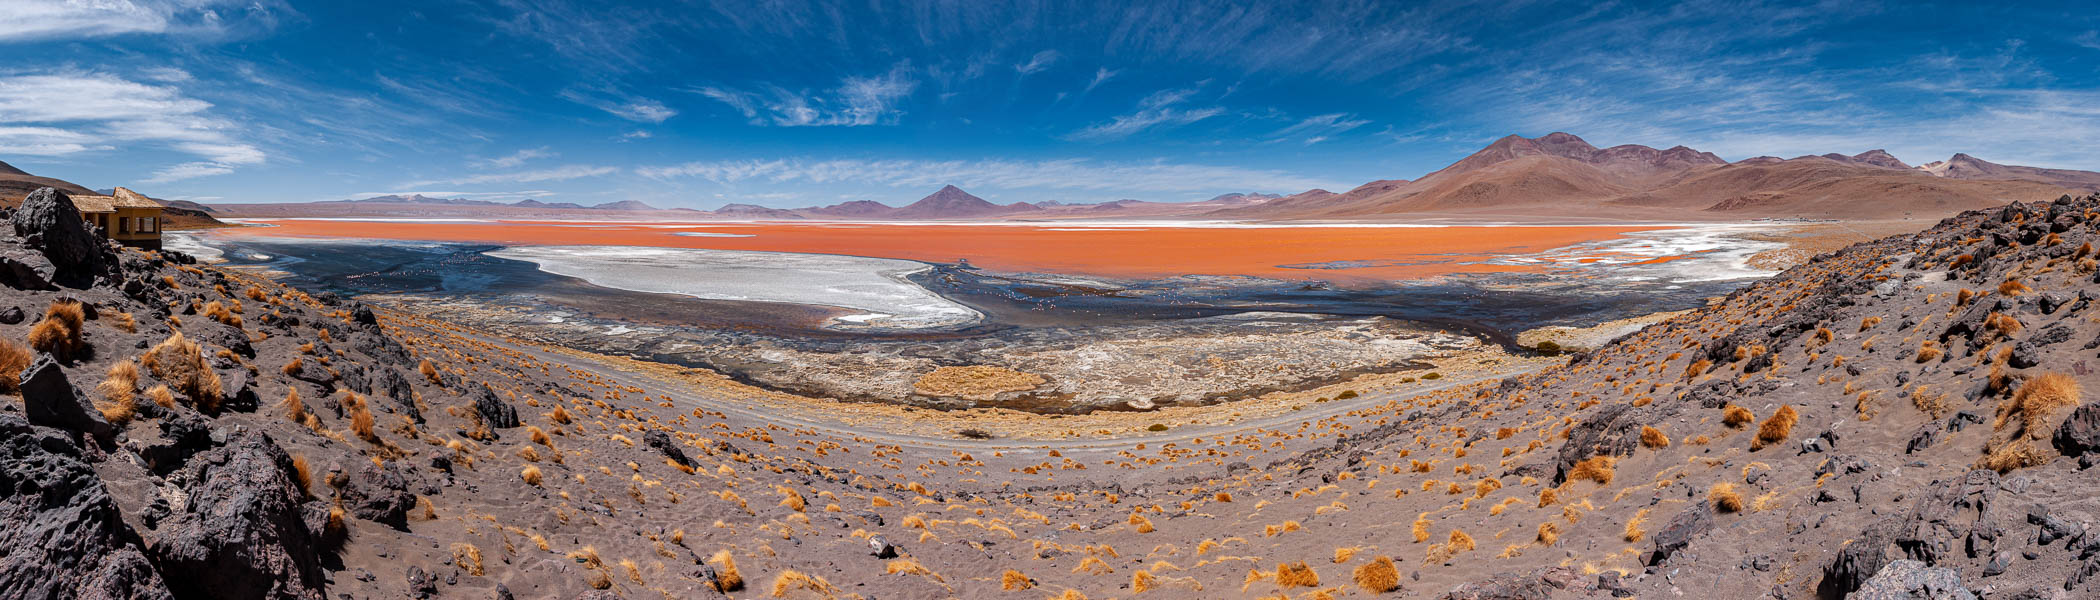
x=1929, y=351
x=180, y=363
x=792, y=580
x=1298, y=574
x=531, y=474
x=1143, y=524
x=2037, y=400
x=1378, y=576
x=1776, y=428
x=1421, y=528
x=1736, y=416
x=1548, y=533
x=727, y=578
x=1015, y=581
x=2013, y=287
x=59, y=333
x=13, y=359
x=1595, y=468
x=119, y=389
x=1724, y=498
x=468, y=557
x=1633, y=532
x=1548, y=497
x=1653, y=438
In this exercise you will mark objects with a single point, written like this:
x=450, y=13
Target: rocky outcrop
x=50, y=400
x=63, y=536
x=1909, y=579
x=243, y=533
x=494, y=411
x=380, y=495
x=48, y=222
x=662, y=442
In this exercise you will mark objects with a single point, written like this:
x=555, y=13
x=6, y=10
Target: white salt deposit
x=874, y=286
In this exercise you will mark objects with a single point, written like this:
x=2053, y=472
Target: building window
x=148, y=225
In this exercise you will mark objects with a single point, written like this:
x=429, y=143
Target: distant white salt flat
x=874, y=286
x=187, y=243
x=1699, y=252
x=713, y=234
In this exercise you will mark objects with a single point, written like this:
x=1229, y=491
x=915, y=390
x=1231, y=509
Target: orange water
x=1135, y=252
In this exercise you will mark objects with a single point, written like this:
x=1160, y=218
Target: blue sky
x=697, y=104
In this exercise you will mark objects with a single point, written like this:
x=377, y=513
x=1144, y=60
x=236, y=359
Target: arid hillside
x=1903, y=418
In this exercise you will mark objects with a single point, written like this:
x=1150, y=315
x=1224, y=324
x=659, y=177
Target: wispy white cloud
x=1101, y=76
x=562, y=173
x=514, y=159
x=518, y=195
x=1318, y=128
x=1157, y=110
x=857, y=101
x=1041, y=60
x=1069, y=174
x=37, y=20
x=632, y=108
x=62, y=113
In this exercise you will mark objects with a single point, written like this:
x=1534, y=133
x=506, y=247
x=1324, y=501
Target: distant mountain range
x=1558, y=175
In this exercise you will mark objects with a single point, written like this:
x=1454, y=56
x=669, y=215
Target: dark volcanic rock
x=52, y=401
x=60, y=533
x=1506, y=586
x=1675, y=536
x=494, y=411
x=1856, y=562
x=379, y=495
x=243, y=534
x=2080, y=433
x=662, y=442
x=1612, y=431
x=48, y=221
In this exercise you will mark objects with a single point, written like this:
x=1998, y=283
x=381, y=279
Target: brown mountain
x=1561, y=175
x=753, y=211
x=857, y=209
x=1963, y=166
x=951, y=202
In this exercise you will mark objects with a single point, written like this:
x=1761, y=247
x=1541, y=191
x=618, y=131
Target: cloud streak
x=562, y=173
x=1155, y=111
x=63, y=113
x=857, y=101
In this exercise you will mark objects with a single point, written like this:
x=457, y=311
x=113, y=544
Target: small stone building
x=128, y=217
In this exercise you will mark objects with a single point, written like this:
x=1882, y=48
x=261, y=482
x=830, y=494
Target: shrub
x=2002, y=323
x=1654, y=438
x=59, y=332
x=161, y=396
x=1156, y=427
x=1776, y=428
x=294, y=407
x=1548, y=497
x=2013, y=287
x=1724, y=498
x=531, y=474
x=1633, y=532
x=1432, y=376
x=1548, y=348
x=1378, y=576
x=1299, y=574
x=1929, y=351
x=1421, y=528
x=1595, y=468
x=13, y=359
x=1015, y=581
x=1143, y=524
x=792, y=580
x=1697, y=367
x=1736, y=416
x=2018, y=453
x=180, y=362
x=1548, y=533
x=727, y=579
x=2036, y=400
x=119, y=389
x=303, y=476
x=468, y=557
